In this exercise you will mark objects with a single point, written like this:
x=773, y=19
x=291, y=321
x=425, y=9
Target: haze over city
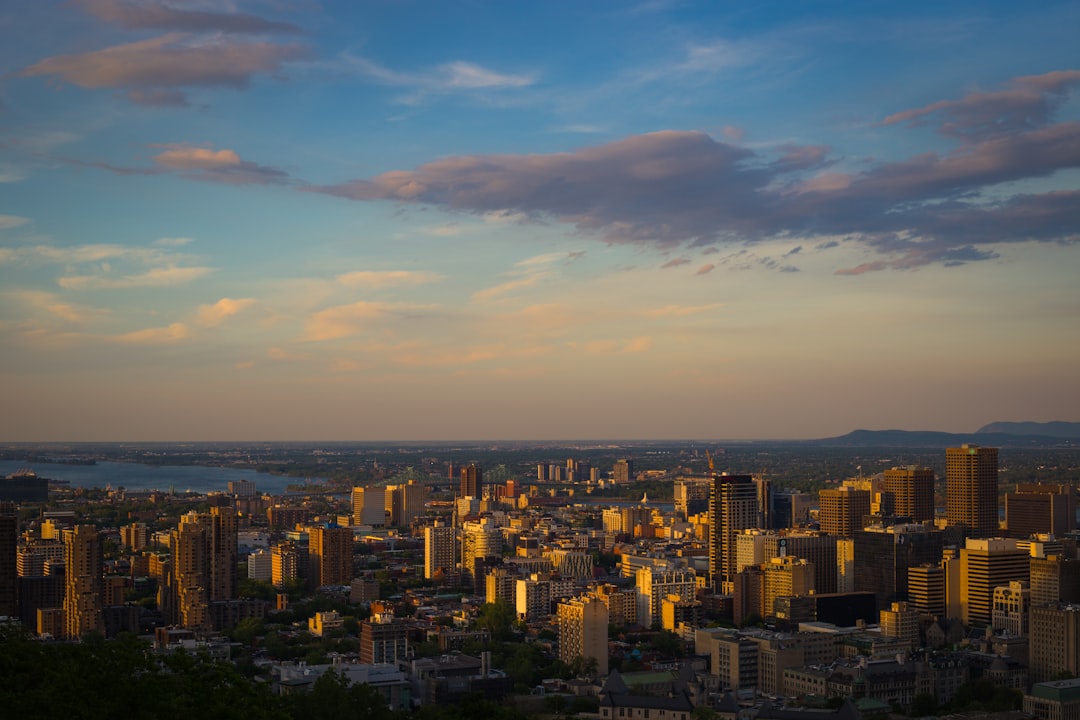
x=421, y=220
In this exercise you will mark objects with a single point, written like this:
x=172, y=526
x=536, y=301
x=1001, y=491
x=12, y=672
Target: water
x=133, y=476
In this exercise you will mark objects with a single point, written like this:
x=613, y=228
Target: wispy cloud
x=155, y=336
x=174, y=60
x=495, y=291
x=225, y=166
x=217, y=313
x=447, y=78
x=343, y=321
x=682, y=310
x=12, y=221
x=157, y=277
x=386, y=278
x=162, y=16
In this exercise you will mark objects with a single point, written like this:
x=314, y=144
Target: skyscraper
x=733, y=506
x=971, y=480
x=912, y=488
x=82, y=581
x=330, y=548
x=1039, y=508
x=472, y=479
x=842, y=510
x=984, y=565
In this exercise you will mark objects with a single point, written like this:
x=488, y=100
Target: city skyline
x=656, y=220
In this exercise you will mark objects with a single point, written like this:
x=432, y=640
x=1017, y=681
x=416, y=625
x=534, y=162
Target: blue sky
x=429, y=220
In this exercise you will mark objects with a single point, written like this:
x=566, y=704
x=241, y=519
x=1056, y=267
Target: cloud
x=638, y=344
x=705, y=269
x=225, y=166
x=447, y=78
x=222, y=310
x=244, y=365
x=386, y=278
x=160, y=16
x=682, y=310
x=481, y=296
x=12, y=221
x=673, y=189
x=343, y=321
x=278, y=354
x=155, y=336
x=1024, y=104
x=156, y=277
x=51, y=303
x=174, y=60
x=158, y=98
x=675, y=262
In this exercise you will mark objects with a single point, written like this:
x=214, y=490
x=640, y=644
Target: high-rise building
x=9, y=539
x=971, y=485
x=285, y=564
x=404, y=503
x=1011, y=607
x=900, y=621
x=817, y=548
x=1040, y=509
x=926, y=589
x=733, y=507
x=330, y=548
x=883, y=555
x=472, y=481
x=369, y=506
x=786, y=576
x=984, y=565
x=383, y=639
x=1054, y=579
x=135, y=536
x=583, y=631
x=842, y=510
x=623, y=471
x=224, y=554
x=1054, y=642
x=912, y=489
x=480, y=540
x=83, y=565
x=439, y=543
x=656, y=583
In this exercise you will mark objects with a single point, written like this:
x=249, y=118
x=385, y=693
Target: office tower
x=786, y=576
x=623, y=471
x=135, y=536
x=926, y=589
x=748, y=593
x=842, y=510
x=383, y=639
x=191, y=573
x=1054, y=579
x=404, y=503
x=692, y=495
x=242, y=488
x=439, y=544
x=656, y=583
x=583, y=631
x=330, y=550
x=791, y=509
x=9, y=539
x=369, y=506
x=883, y=555
x=1055, y=642
x=912, y=490
x=1010, y=607
x=472, y=481
x=984, y=565
x=1040, y=509
x=286, y=517
x=285, y=563
x=224, y=554
x=542, y=471
x=971, y=485
x=82, y=581
x=819, y=549
x=764, y=501
x=845, y=565
x=260, y=566
x=900, y=621
x=732, y=508
x=480, y=539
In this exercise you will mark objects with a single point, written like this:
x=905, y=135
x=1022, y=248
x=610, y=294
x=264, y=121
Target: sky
x=406, y=220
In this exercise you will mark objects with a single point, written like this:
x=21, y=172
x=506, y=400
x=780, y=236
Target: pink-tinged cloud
x=705, y=269
x=670, y=189
x=386, y=278
x=163, y=16
x=170, y=61
x=1025, y=103
x=343, y=321
x=155, y=336
x=217, y=313
x=682, y=310
x=675, y=262
x=157, y=277
x=224, y=166
x=638, y=344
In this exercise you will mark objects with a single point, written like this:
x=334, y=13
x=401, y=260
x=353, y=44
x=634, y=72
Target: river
x=133, y=476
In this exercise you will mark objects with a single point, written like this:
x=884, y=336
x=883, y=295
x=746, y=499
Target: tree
x=923, y=704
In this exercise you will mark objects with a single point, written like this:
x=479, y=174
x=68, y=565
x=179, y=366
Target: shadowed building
x=971, y=480
x=1039, y=508
x=733, y=507
x=912, y=490
x=82, y=581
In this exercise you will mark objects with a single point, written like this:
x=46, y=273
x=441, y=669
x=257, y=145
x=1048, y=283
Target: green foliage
x=983, y=695
x=497, y=618
x=923, y=704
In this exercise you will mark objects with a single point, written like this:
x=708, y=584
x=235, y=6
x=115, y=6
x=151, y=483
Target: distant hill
x=989, y=435
x=1058, y=429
